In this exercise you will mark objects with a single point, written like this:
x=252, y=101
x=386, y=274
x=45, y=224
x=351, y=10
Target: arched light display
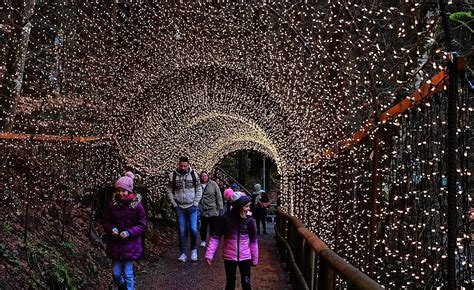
x=285, y=79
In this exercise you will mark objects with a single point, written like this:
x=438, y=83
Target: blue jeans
x=123, y=273
x=187, y=220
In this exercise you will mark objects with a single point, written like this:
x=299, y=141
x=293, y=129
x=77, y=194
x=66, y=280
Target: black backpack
x=173, y=182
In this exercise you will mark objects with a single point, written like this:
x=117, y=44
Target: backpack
x=173, y=182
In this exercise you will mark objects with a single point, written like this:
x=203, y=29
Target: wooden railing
x=311, y=263
x=230, y=178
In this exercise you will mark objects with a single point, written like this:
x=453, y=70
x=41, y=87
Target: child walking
x=124, y=221
x=240, y=240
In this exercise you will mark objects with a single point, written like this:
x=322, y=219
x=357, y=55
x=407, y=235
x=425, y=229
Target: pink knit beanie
x=126, y=182
x=231, y=195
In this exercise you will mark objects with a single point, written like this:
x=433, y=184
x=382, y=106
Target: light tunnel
x=289, y=79
x=208, y=139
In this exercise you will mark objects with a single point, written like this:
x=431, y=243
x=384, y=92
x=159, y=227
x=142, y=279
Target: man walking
x=184, y=192
x=210, y=206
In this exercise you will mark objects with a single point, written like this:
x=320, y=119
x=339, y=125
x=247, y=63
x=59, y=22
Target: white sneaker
x=203, y=244
x=194, y=255
x=183, y=258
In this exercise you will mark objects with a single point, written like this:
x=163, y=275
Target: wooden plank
x=426, y=91
x=14, y=136
x=53, y=138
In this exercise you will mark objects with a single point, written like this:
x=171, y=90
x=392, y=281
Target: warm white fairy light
x=285, y=80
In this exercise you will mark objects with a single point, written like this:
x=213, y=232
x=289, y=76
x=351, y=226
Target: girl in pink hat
x=240, y=240
x=124, y=221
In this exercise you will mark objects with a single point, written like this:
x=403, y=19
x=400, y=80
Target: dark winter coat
x=129, y=217
x=258, y=210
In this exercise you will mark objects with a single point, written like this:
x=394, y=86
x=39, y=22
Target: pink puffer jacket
x=240, y=239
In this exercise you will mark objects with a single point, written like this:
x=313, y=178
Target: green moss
x=60, y=277
x=8, y=256
x=44, y=257
x=91, y=270
x=461, y=16
x=7, y=228
x=68, y=245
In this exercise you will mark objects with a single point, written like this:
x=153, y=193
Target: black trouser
x=261, y=219
x=231, y=270
x=206, y=221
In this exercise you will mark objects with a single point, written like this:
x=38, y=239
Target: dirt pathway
x=169, y=273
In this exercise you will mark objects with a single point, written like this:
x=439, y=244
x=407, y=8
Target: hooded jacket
x=125, y=216
x=185, y=194
x=240, y=238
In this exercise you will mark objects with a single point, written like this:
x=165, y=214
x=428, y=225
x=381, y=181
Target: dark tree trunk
x=11, y=84
x=17, y=47
x=242, y=161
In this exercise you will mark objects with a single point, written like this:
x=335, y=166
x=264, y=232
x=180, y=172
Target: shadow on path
x=169, y=273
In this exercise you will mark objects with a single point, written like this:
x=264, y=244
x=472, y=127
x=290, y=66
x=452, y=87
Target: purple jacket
x=240, y=238
x=129, y=217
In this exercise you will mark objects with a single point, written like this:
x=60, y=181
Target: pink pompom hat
x=126, y=182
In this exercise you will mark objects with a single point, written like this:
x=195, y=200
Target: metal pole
x=338, y=194
x=320, y=197
x=451, y=154
x=451, y=173
x=326, y=276
x=264, y=174
x=373, y=205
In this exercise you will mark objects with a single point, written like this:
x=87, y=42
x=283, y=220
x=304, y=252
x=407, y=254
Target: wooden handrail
x=345, y=270
x=292, y=263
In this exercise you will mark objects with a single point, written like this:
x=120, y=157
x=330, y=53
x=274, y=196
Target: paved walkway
x=169, y=273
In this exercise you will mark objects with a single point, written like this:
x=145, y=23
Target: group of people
x=192, y=196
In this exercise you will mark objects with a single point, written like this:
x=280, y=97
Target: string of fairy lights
x=410, y=243
x=281, y=78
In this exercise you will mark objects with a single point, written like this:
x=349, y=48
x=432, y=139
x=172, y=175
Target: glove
x=124, y=234
x=115, y=231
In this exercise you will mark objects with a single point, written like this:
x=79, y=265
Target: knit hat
x=240, y=202
x=126, y=182
x=231, y=195
x=258, y=187
x=234, y=186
